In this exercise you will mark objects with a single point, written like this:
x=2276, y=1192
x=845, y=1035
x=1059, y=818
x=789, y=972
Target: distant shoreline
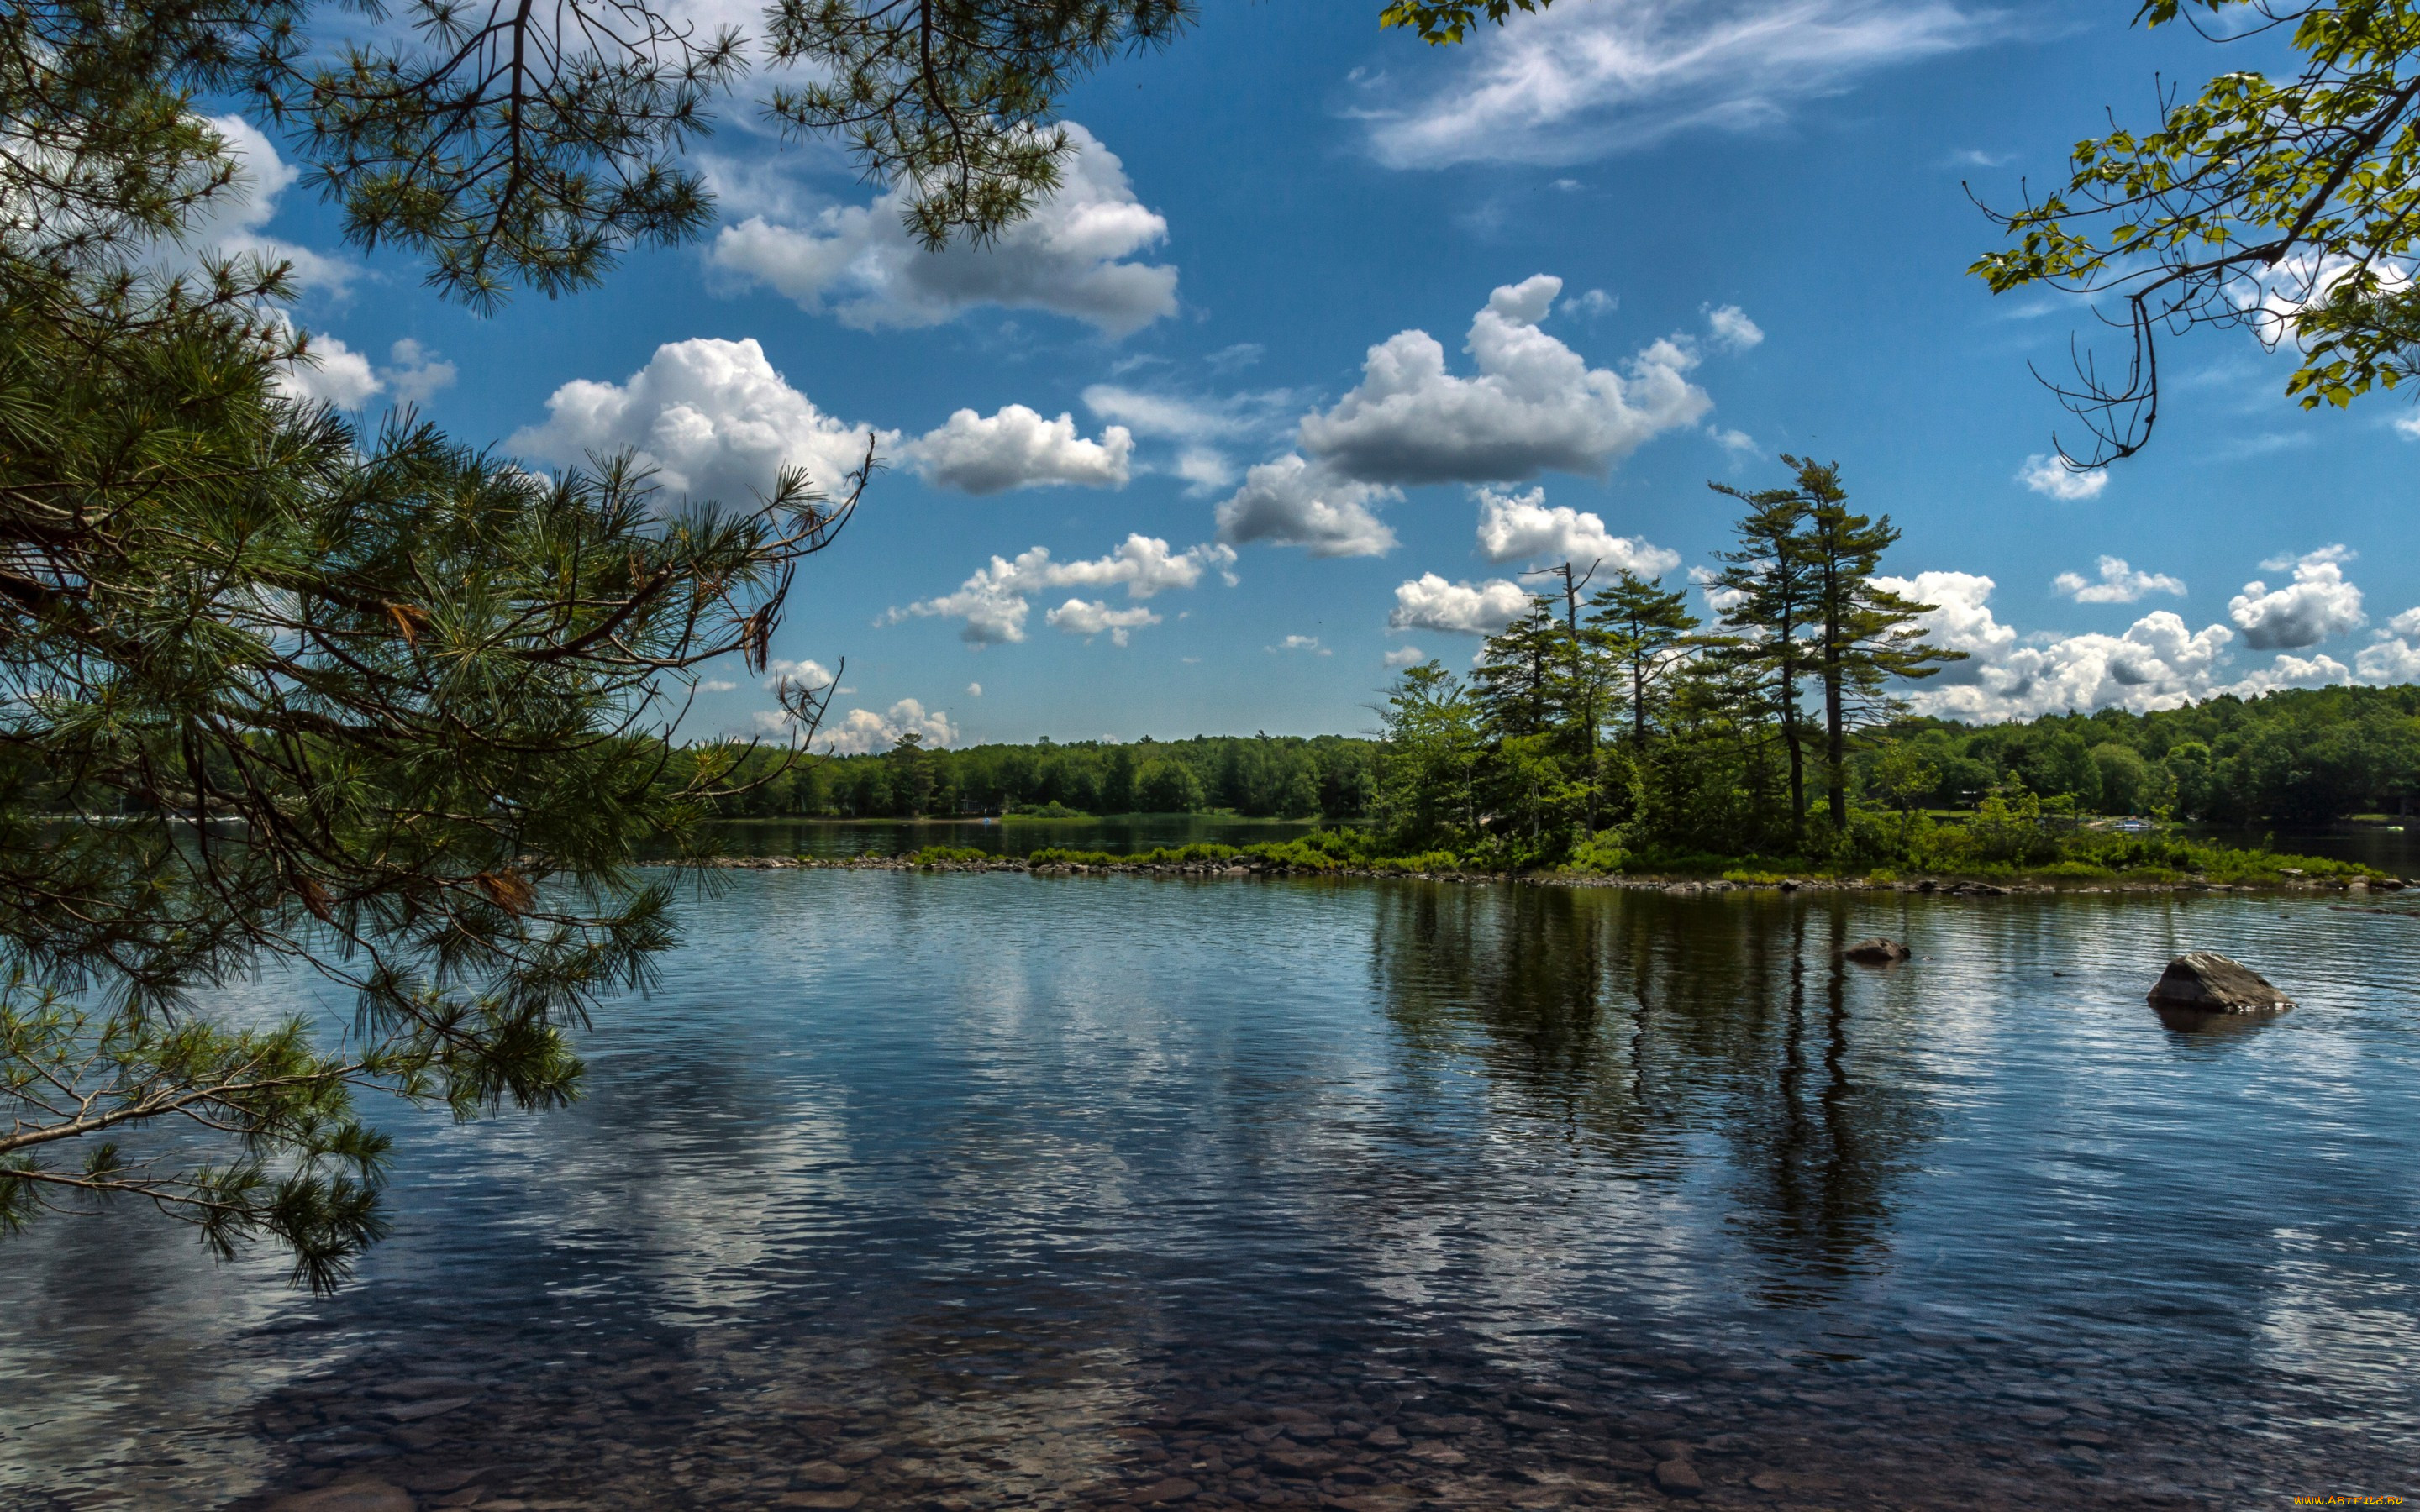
x=1251, y=868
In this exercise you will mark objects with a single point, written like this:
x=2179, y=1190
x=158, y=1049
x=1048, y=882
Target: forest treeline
x=2299, y=756
x=1611, y=726
x=1283, y=777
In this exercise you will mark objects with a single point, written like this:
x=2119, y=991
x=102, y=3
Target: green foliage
x=954, y=98
x=1601, y=854
x=1507, y=772
x=1512, y=768
x=1166, y=785
x=1646, y=631
x=383, y=705
x=2289, y=205
x=303, y=1171
x=2303, y=756
x=532, y=145
x=1257, y=776
x=2123, y=779
x=1442, y=23
x=1322, y=850
x=941, y=855
x=1195, y=855
x=1427, y=789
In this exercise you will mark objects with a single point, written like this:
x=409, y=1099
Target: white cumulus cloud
x=1090, y=617
x=1733, y=328
x=2046, y=474
x=712, y=417
x=1293, y=503
x=1523, y=528
x=335, y=374
x=1535, y=407
x=234, y=222
x=812, y=674
x=2118, y=583
x=2321, y=671
x=1309, y=645
x=861, y=731
x=2318, y=604
x=1579, y=82
x=1403, y=656
x=417, y=374
x=1072, y=255
x=1428, y=602
x=1018, y=448
x=2393, y=654
x=997, y=600
x=2158, y=663
x=330, y=373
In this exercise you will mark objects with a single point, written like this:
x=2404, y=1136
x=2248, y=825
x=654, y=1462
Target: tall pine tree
x=1865, y=636
x=1646, y=631
x=1772, y=607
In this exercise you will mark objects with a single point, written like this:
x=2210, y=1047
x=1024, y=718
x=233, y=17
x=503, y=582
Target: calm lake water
x=1120, y=833
x=953, y=1192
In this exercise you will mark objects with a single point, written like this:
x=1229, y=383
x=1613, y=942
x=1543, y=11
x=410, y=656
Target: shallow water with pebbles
x=988, y=1191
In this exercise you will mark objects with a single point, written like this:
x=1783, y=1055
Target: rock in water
x=1877, y=951
x=2205, y=982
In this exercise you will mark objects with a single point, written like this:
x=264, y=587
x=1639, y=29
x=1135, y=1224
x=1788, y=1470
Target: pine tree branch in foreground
x=273, y=692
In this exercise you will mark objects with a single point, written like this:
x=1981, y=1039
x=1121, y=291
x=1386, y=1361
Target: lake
x=1120, y=833
x=981, y=1191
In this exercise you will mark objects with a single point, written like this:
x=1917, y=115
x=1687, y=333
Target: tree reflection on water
x=1639, y=1027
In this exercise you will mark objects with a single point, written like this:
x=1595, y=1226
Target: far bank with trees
x=1614, y=729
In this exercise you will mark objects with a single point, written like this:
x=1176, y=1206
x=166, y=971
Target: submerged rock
x=2205, y=982
x=347, y=1496
x=1878, y=951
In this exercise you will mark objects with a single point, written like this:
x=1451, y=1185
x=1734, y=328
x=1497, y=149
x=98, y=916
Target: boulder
x=1877, y=951
x=2205, y=982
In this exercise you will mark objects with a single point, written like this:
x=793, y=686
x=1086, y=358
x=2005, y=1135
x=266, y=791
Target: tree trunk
x=1787, y=661
x=1836, y=749
x=1638, y=697
x=1588, y=694
x=1797, y=772
x=1836, y=742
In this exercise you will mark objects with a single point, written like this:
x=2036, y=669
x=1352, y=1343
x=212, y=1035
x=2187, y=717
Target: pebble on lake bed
x=2205, y=982
x=347, y=1496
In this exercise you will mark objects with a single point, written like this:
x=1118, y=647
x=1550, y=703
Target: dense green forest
x=1329, y=777
x=2299, y=756
x=2305, y=756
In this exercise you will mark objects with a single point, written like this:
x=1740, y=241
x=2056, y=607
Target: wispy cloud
x=1581, y=82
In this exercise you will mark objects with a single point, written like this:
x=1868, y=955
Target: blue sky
x=1347, y=331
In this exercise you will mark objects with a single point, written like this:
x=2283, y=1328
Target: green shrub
x=935, y=855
